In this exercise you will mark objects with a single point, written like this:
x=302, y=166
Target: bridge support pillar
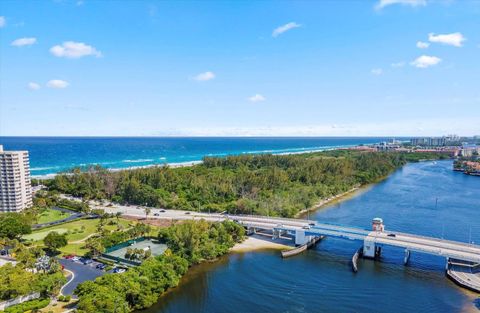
x=301, y=238
x=276, y=234
x=378, y=252
x=369, y=249
x=407, y=257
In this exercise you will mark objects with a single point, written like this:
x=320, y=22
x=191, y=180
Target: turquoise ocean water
x=49, y=155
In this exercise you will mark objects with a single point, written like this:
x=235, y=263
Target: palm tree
x=117, y=215
x=147, y=212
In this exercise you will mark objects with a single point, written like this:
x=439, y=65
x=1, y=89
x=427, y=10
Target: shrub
x=28, y=306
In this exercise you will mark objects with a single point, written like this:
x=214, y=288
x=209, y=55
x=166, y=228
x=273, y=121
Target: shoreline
x=196, y=162
x=255, y=243
x=326, y=201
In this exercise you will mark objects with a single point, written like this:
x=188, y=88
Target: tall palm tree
x=147, y=212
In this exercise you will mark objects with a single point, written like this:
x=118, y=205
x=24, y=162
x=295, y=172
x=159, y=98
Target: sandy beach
x=326, y=201
x=258, y=242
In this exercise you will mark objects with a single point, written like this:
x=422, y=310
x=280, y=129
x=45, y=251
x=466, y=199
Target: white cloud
x=204, y=76
x=281, y=29
x=257, y=98
x=401, y=127
x=33, y=86
x=3, y=21
x=453, y=39
x=422, y=45
x=57, y=84
x=398, y=64
x=20, y=42
x=425, y=61
x=74, y=50
x=377, y=71
x=414, y=3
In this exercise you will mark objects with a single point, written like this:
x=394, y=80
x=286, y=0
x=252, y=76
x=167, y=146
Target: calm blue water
x=50, y=155
x=321, y=280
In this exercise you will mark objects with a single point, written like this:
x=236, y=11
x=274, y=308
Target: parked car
x=162, y=211
x=306, y=227
x=101, y=266
x=311, y=224
x=119, y=270
x=156, y=214
x=70, y=256
x=187, y=213
x=87, y=261
x=392, y=235
x=75, y=259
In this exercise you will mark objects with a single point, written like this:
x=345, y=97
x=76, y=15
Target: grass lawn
x=78, y=231
x=50, y=215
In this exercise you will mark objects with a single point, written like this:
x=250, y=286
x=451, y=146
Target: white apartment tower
x=15, y=184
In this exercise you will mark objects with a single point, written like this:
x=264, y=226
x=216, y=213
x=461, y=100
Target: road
x=430, y=245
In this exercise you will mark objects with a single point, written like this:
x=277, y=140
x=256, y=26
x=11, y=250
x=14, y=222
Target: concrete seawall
x=355, y=259
x=302, y=248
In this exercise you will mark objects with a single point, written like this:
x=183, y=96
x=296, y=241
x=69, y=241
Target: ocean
x=51, y=155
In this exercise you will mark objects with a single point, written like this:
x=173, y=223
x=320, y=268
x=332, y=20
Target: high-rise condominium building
x=15, y=184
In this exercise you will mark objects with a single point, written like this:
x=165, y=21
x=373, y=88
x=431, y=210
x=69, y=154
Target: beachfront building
x=429, y=141
x=15, y=184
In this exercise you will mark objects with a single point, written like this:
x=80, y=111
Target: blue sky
x=324, y=68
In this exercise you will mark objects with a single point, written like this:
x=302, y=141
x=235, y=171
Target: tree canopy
x=14, y=225
x=280, y=185
x=54, y=240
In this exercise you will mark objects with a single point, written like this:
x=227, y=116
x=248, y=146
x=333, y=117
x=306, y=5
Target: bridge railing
x=296, y=220
x=463, y=243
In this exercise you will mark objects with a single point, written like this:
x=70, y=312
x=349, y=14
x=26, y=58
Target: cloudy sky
x=156, y=68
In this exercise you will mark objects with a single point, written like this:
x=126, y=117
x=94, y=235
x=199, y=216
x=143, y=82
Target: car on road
x=392, y=235
x=306, y=227
x=156, y=214
x=162, y=211
x=187, y=213
x=311, y=224
x=119, y=270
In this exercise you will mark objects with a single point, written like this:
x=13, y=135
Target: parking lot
x=81, y=273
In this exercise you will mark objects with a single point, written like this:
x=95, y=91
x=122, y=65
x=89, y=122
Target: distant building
x=469, y=150
x=15, y=184
x=429, y=141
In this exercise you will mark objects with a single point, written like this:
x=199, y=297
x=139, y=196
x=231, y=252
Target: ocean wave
x=137, y=161
x=162, y=158
x=44, y=168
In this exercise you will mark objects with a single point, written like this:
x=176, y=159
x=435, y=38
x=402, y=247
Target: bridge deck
x=430, y=245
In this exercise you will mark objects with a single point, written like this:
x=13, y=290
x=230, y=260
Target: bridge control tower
x=377, y=224
x=370, y=249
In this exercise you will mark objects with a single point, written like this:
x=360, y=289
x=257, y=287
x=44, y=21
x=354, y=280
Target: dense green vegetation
x=197, y=241
x=140, y=287
x=54, y=241
x=279, y=185
x=33, y=306
x=17, y=281
x=14, y=225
